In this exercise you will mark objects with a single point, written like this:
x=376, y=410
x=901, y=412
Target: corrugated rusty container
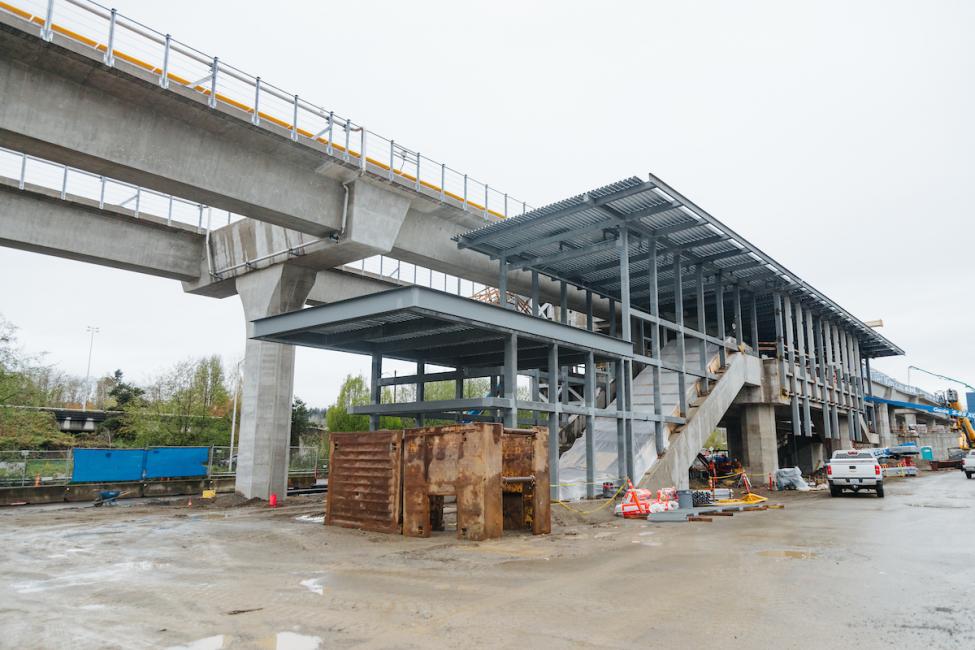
x=365, y=470
x=457, y=460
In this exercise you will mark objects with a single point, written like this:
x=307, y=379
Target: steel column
x=511, y=379
x=624, y=252
x=563, y=303
x=589, y=323
x=503, y=282
x=753, y=316
x=814, y=391
x=620, y=421
x=658, y=429
x=833, y=379
x=681, y=352
x=871, y=410
x=590, y=397
x=535, y=305
x=421, y=371
x=803, y=366
x=628, y=379
x=779, y=345
x=553, y=418
x=375, y=388
x=791, y=351
x=719, y=301
x=821, y=378
x=739, y=324
x=702, y=327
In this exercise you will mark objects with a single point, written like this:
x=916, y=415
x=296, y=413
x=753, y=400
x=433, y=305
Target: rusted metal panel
x=460, y=460
x=542, y=498
x=365, y=470
x=525, y=478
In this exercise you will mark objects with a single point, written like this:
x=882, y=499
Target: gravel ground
x=874, y=573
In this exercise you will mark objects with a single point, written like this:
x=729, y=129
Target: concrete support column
x=759, y=440
x=845, y=441
x=882, y=423
x=811, y=454
x=265, y=417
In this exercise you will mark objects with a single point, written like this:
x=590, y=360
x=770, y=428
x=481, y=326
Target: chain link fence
x=34, y=467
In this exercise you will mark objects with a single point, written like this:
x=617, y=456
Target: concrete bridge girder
x=125, y=126
x=37, y=220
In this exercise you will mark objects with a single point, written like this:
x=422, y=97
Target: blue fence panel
x=172, y=462
x=101, y=465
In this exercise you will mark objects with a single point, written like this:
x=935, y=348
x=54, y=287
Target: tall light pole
x=233, y=418
x=91, y=345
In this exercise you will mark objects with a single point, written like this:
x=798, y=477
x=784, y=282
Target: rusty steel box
x=364, y=477
x=397, y=481
x=498, y=476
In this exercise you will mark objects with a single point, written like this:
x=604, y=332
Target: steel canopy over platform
x=420, y=324
x=578, y=240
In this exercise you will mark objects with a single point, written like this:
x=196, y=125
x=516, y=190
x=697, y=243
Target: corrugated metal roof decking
x=575, y=240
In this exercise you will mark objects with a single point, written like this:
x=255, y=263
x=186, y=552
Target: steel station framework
x=656, y=270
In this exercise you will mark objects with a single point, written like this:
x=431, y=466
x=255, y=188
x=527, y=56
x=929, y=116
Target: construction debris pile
x=670, y=504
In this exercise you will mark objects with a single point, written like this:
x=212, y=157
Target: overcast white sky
x=836, y=136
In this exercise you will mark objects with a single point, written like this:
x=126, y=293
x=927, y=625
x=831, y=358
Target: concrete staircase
x=572, y=464
x=704, y=414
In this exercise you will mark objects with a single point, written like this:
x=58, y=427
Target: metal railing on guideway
x=115, y=37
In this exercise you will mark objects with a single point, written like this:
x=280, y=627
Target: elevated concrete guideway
x=68, y=100
x=172, y=141
x=317, y=191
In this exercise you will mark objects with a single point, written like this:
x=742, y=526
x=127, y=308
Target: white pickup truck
x=968, y=464
x=854, y=469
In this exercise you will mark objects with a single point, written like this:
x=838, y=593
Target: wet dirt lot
x=862, y=571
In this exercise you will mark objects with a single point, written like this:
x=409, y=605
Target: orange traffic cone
x=273, y=501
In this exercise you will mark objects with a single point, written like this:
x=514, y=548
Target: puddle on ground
x=314, y=585
x=99, y=575
x=294, y=641
x=280, y=641
x=208, y=643
x=311, y=519
x=792, y=555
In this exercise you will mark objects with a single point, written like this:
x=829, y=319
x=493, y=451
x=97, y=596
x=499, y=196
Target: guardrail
x=72, y=182
x=383, y=267
x=115, y=37
x=887, y=380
